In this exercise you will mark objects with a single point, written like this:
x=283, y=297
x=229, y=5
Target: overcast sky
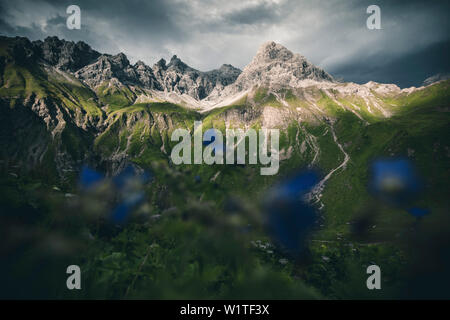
x=414, y=42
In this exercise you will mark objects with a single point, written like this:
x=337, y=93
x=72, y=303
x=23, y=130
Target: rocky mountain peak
x=176, y=63
x=140, y=64
x=228, y=68
x=117, y=67
x=121, y=60
x=65, y=55
x=270, y=51
x=161, y=64
x=18, y=49
x=274, y=64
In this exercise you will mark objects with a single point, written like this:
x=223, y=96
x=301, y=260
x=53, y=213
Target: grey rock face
x=146, y=76
x=276, y=65
x=65, y=55
x=118, y=67
x=94, y=68
x=224, y=76
x=19, y=50
x=180, y=78
x=175, y=77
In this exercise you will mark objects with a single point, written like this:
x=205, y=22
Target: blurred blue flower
x=130, y=174
x=90, y=177
x=297, y=186
x=130, y=183
x=418, y=212
x=127, y=188
x=289, y=216
x=394, y=180
x=122, y=211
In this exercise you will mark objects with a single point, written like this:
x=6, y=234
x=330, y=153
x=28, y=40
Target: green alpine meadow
x=87, y=179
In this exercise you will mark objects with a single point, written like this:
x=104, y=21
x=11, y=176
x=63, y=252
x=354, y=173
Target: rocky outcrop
x=44, y=134
x=178, y=77
x=107, y=68
x=65, y=55
x=274, y=66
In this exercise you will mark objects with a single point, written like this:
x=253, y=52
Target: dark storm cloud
x=408, y=70
x=255, y=13
x=412, y=45
x=112, y=26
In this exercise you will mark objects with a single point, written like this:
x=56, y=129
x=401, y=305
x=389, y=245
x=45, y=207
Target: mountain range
x=84, y=106
x=65, y=107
